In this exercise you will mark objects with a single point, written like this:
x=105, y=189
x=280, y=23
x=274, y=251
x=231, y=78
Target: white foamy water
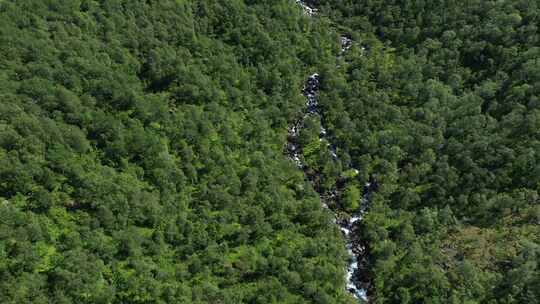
x=294, y=151
x=310, y=11
x=347, y=227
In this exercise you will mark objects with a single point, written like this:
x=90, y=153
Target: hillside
x=141, y=155
x=251, y=151
x=441, y=107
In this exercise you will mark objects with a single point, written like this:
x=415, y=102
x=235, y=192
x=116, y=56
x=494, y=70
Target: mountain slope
x=141, y=155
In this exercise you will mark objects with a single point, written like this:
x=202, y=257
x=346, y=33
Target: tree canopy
x=141, y=151
x=438, y=101
x=141, y=155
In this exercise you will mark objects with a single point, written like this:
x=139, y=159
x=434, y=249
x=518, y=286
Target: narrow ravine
x=356, y=282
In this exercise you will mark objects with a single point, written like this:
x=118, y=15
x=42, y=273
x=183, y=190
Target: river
x=349, y=224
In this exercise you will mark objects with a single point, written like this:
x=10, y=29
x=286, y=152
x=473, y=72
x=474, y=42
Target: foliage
x=141, y=151
x=141, y=155
x=438, y=102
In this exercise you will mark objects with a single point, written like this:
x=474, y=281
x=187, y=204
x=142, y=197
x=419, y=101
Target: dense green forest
x=141, y=154
x=141, y=150
x=440, y=104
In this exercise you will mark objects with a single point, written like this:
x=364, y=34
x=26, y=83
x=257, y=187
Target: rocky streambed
x=348, y=223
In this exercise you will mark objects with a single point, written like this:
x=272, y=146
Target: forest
x=441, y=106
x=142, y=151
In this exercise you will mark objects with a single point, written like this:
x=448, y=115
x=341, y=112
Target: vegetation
x=141, y=155
x=141, y=151
x=442, y=108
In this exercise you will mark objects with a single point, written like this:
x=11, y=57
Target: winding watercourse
x=356, y=282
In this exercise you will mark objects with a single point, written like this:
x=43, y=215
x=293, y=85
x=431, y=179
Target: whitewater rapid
x=294, y=151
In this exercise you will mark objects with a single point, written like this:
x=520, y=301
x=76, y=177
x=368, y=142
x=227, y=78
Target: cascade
x=294, y=152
